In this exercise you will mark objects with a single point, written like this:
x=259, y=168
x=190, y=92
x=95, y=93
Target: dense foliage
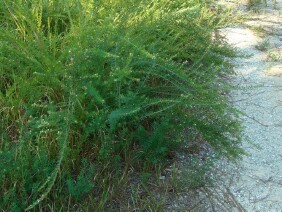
x=89, y=89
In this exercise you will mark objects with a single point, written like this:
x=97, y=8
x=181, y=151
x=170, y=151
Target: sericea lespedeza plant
x=107, y=85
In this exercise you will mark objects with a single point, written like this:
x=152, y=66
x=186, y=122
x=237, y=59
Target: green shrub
x=110, y=82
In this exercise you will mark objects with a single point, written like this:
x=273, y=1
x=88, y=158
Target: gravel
x=258, y=178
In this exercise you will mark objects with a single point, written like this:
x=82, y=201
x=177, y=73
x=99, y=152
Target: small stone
x=162, y=178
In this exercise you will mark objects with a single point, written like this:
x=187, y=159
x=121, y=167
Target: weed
x=274, y=55
x=255, y=5
x=263, y=45
x=259, y=30
x=92, y=89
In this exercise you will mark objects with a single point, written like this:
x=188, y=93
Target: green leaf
x=95, y=94
x=118, y=114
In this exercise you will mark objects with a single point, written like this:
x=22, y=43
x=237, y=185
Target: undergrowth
x=90, y=90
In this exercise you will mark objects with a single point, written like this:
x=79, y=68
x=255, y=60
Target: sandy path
x=259, y=183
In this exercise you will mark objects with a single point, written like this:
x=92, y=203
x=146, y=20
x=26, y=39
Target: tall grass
x=89, y=89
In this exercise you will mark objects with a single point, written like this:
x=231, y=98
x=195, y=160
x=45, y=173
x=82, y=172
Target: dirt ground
x=257, y=180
